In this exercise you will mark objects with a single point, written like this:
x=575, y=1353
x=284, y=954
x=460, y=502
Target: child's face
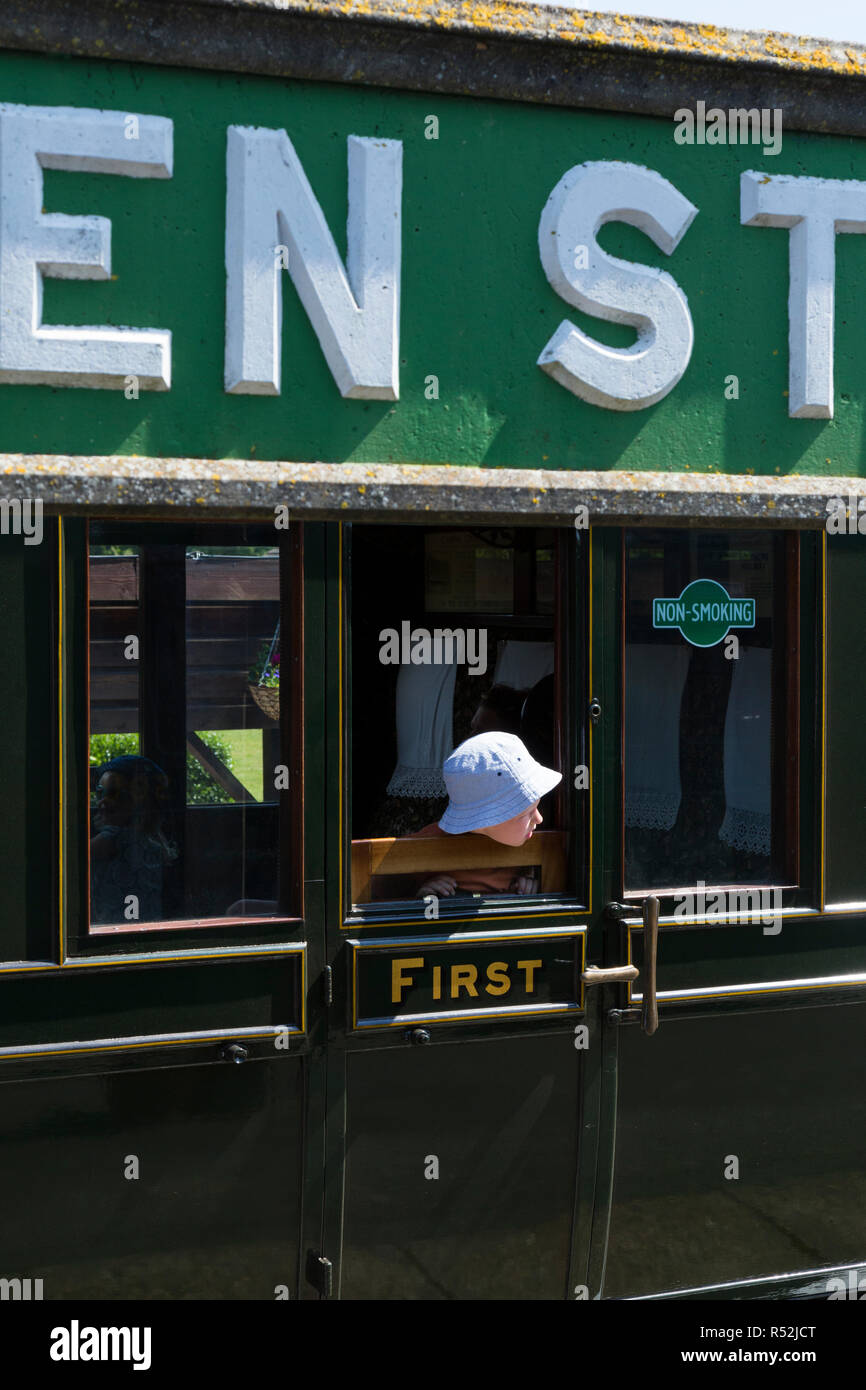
x=114, y=801
x=517, y=830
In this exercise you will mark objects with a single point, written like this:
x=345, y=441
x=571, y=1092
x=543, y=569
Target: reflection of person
x=494, y=787
x=129, y=850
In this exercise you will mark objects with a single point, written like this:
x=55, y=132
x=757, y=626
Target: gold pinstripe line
x=60, y=766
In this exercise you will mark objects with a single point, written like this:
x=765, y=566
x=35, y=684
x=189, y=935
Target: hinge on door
x=328, y=986
x=617, y=912
x=320, y=1273
x=630, y=1015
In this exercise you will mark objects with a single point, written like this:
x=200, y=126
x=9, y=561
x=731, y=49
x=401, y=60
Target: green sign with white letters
x=704, y=613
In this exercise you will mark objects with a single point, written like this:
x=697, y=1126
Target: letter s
x=650, y=300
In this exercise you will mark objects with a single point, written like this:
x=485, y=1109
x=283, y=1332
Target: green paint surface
x=476, y=307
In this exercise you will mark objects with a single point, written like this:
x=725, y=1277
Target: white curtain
x=654, y=680
x=425, y=729
x=523, y=664
x=747, y=754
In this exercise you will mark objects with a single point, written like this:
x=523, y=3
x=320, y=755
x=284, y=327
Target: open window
x=455, y=632
x=192, y=726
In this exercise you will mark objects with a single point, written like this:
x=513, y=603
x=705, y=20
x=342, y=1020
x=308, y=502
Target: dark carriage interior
x=499, y=580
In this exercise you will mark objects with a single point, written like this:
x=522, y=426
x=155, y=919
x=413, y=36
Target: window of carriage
x=456, y=633
x=711, y=722
x=189, y=688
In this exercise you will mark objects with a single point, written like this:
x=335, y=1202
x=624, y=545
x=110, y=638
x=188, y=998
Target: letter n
x=354, y=310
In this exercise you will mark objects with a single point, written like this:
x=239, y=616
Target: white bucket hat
x=491, y=778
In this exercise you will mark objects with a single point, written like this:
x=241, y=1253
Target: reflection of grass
x=244, y=746
x=246, y=750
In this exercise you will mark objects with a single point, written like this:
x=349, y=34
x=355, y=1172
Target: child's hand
x=524, y=884
x=442, y=887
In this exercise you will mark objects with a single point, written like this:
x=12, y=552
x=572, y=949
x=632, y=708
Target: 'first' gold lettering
x=401, y=981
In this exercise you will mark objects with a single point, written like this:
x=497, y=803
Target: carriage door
x=719, y=1175
x=465, y=1067
x=154, y=1044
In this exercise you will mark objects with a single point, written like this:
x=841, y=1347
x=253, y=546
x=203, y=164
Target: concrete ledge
x=210, y=489
x=517, y=52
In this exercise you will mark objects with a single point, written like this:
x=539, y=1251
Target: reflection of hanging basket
x=267, y=697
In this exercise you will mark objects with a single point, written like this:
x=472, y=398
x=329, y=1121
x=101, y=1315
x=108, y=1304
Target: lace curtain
x=425, y=704
x=656, y=676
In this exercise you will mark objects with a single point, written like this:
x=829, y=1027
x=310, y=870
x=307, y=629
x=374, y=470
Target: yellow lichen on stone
x=712, y=34
x=591, y=27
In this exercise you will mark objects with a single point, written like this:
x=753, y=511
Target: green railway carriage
x=473, y=387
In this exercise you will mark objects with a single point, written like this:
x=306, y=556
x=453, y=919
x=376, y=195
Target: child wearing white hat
x=494, y=787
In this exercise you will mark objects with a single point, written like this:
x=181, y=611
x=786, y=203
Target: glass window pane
x=705, y=707
x=185, y=729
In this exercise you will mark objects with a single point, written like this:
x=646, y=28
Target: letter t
x=814, y=210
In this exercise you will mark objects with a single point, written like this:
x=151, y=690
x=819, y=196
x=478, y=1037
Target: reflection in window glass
x=705, y=707
x=465, y=645
x=184, y=730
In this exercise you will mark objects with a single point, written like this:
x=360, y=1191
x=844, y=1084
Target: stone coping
x=512, y=51
x=205, y=489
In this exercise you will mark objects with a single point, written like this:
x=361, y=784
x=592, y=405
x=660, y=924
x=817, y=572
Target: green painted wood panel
x=476, y=307
x=28, y=726
x=845, y=828
x=783, y=1093
x=213, y=1212
x=81, y=1005
x=501, y=1117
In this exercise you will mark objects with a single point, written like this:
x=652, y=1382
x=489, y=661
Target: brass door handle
x=596, y=975
x=650, y=1013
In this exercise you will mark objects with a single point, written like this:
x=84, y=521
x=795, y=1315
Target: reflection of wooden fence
x=431, y=854
x=232, y=607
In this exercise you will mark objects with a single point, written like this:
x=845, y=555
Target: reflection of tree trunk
x=162, y=697
x=702, y=738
